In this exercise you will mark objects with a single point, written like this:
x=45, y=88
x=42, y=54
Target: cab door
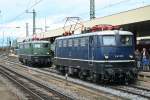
x=91, y=50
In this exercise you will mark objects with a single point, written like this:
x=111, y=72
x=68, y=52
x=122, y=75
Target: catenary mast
x=92, y=9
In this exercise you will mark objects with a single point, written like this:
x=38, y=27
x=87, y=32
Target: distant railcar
x=97, y=56
x=143, y=42
x=35, y=52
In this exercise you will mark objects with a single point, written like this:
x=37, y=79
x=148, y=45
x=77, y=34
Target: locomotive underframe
x=35, y=59
x=108, y=71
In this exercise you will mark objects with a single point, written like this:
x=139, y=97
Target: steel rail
x=119, y=89
x=56, y=93
x=55, y=72
x=139, y=87
x=30, y=92
x=130, y=92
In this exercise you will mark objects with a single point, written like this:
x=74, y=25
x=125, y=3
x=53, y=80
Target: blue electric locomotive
x=98, y=56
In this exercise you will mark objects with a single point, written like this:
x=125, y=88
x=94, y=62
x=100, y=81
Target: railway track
x=131, y=89
x=33, y=93
x=17, y=66
x=124, y=91
x=135, y=90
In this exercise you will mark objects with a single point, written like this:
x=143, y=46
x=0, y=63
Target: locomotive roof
x=36, y=42
x=110, y=32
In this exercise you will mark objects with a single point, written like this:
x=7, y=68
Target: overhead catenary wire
x=28, y=4
x=98, y=10
x=104, y=8
x=137, y=4
x=80, y=14
x=22, y=13
x=36, y=3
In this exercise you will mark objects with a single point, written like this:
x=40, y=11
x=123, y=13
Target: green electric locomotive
x=35, y=53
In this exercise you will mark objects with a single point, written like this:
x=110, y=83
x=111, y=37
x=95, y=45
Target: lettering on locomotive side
x=119, y=56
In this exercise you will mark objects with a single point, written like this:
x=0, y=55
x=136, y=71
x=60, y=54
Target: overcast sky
x=13, y=13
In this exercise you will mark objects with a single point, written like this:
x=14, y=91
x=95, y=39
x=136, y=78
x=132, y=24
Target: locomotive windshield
x=37, y=45
x=45, y=45
x=109, y=40
x=40, y=45
x=126, y=40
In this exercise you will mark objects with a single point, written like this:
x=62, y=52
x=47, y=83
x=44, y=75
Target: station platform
x=145, y=73
x=145, y=76
x=13, y=55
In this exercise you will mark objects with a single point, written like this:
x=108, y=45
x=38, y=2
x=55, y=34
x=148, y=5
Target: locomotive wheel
x=29, y=63
x=95, y=78
x=50, y=64
x=24, y=61
x=81, y=76
x=60, y=69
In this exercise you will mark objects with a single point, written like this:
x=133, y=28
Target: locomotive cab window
x=37, y=45
x=76, y=42
x=45, y=45
x=70, y=42
x=27, y=45
x=126, y=40
x=21, y=46
x=60, y=43
x=64, y=43
x=109, y=40
x=83, y=41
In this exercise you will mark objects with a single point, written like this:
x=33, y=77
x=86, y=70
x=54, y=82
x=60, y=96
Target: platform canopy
x=124, y=18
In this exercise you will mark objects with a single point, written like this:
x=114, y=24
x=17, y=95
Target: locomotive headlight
x=106, y=57
x=131, y=56
x=35, y=53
